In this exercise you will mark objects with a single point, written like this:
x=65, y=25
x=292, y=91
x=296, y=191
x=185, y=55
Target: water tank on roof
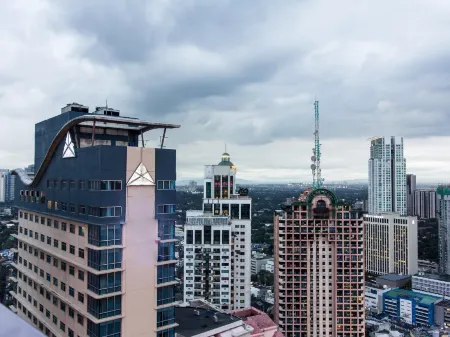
x=104, y=110
x=75, y=107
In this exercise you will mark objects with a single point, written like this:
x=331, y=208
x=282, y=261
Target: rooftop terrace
x=423, y=299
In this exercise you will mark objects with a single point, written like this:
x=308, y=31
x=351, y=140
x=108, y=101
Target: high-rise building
x=425, y=203
x=3, y=185
x=443, y=216
x=319, y=267
x=410, y=189
x=96, y=228
x=387, y=176
x=217, y=250
x=390, y=243
x=10, y=186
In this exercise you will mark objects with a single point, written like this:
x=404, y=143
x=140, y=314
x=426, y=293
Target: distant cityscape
x=98, y=238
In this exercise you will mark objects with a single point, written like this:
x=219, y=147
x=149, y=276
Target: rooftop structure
x=99, y=198
x=261, y=323
x=200, y=322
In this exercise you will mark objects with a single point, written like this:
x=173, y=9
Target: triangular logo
x=69, y=148
x=141, y=177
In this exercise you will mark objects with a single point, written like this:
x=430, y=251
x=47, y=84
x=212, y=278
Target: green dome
x=226, y=163
x=225, y=154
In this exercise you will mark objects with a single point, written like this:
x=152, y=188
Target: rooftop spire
x=315, y=166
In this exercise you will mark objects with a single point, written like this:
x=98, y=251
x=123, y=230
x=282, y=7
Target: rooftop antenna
x=225, y=147
x=106, y=103
x=315, y=166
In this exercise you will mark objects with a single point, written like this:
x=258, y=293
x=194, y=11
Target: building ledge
x=14, y=250
x=168, y=305
x=162, y=263
x=174, y=325
x=97, y=296
x=168, y=240
x=13, y=308
x=12, y=278
x=103, y=247
x=166, y=284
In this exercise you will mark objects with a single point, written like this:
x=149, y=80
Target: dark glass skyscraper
x=96, y=252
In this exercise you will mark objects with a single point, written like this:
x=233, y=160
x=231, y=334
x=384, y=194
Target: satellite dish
x=313, y=166
x=313, y=158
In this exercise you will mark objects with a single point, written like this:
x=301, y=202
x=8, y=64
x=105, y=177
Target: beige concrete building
x=391, y=244
x=319, y=267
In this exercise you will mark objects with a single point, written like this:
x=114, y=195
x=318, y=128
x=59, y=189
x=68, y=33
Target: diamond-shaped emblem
x=141, y=177
x=69, y=148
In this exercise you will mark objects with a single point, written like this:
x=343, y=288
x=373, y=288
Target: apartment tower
x=390, y=242
x=96, y=228
x=387, y=176
x=410, y=191
x=443, y=216
x=425, y=203
x=319, y=267
x=217, y=250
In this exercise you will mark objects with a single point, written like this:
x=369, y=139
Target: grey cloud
x=243, y=72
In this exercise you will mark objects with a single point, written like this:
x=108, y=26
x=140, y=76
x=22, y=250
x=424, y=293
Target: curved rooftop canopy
x=130, y=123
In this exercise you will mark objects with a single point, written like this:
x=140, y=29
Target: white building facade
x=391, y=244
x=373, y=298
x=217, y=240
x=387, y=176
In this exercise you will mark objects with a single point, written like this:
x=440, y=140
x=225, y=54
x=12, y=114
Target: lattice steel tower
x=315, y=166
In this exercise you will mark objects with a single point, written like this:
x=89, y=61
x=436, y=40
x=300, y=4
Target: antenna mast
x=315, y=166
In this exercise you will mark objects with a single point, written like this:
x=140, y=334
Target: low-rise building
x=432, y=283
x=410, y=306
x=442, y=314
x=204, y=322
x=373, y=298
x=393, y=280
x=269, y=265
x=258, y=262
x=261, y=323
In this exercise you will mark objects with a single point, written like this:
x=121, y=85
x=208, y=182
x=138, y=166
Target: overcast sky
x=245, y=73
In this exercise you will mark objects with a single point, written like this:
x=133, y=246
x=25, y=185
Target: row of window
x=40, y=324
x=49, y=240
x=103, y=235
x=47, y=276
x=93, y=185
x=50, y=222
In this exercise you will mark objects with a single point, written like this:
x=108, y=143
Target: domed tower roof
x=226, y=160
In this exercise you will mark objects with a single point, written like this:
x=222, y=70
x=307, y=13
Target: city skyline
x=236, y=73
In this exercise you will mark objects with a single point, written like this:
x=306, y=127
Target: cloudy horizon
x=241, y=73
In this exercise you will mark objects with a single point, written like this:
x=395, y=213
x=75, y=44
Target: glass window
x=107, y=329
x=105, y=307
x=105, y=259
x=166, y=209
x=105, y=283
x=105, y=235
x=165, y=317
